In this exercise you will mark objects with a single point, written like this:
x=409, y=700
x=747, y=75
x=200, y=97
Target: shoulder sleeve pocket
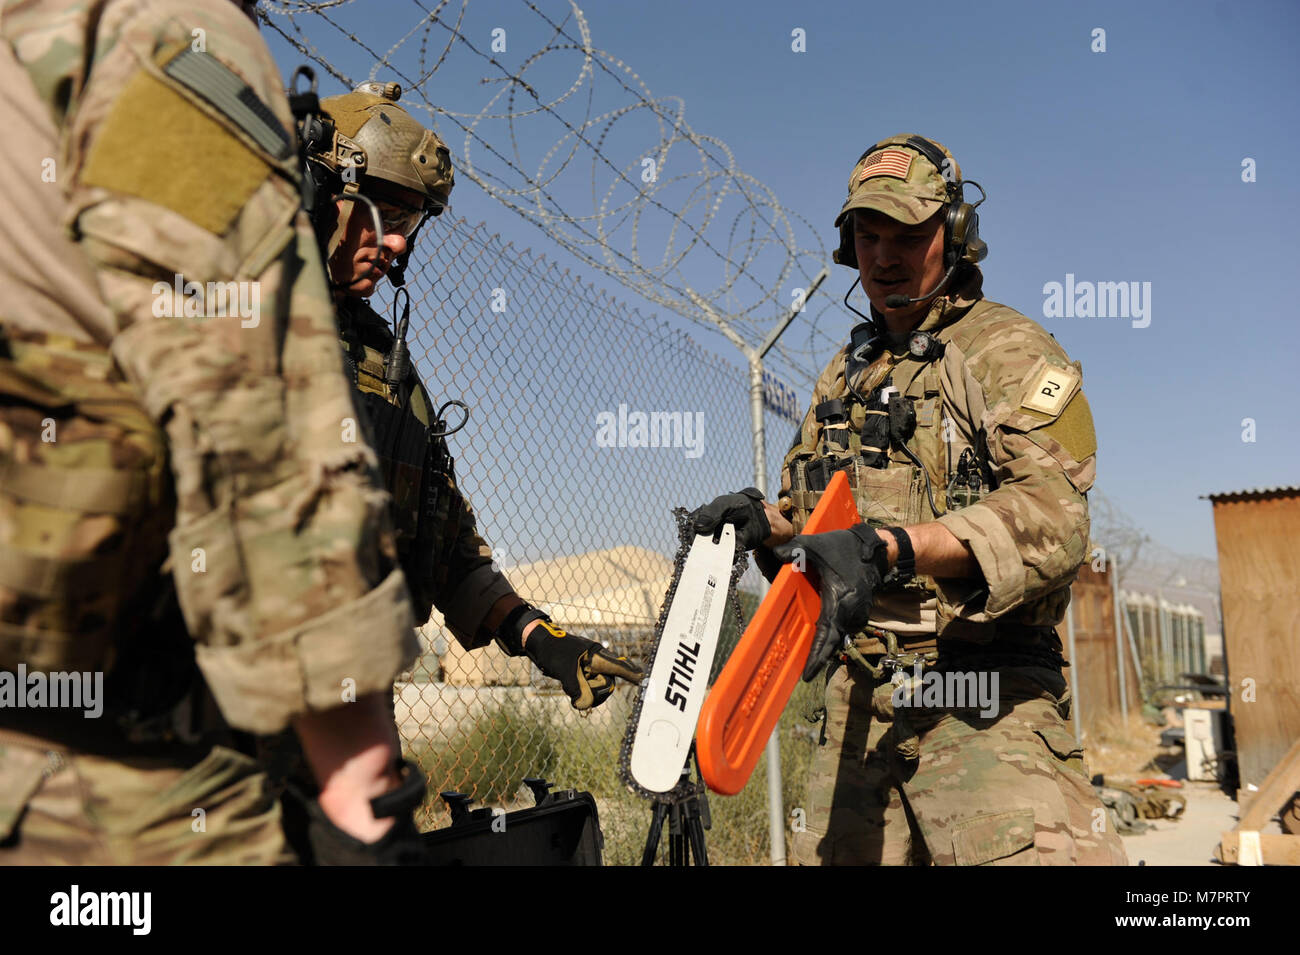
x=156, y=145
x=191, y=137
x=1052, y=412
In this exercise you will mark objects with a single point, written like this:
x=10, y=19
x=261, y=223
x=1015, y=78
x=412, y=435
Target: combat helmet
x=909, y=178
x=375, y=139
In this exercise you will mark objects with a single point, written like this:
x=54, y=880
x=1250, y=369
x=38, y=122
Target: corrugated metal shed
x=1259, y=572
x=1251, y=494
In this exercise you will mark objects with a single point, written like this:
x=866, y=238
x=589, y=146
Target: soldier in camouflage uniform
x=969, y=448
x=390, y=175
x=171, y=462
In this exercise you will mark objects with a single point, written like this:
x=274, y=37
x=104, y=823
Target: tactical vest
x=418, y=470
x=886, y=424
x=86, y=504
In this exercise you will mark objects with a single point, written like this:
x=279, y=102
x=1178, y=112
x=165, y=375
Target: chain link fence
x=589, y=423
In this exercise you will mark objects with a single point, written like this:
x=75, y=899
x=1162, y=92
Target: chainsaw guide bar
x=662, y=726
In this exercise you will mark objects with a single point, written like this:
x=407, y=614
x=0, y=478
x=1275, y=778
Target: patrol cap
x=398, y=149
x=898, y=178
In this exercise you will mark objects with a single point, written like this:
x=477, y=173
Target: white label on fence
x=780, y=398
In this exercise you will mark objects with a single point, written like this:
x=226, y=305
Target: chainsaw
x=657, y=744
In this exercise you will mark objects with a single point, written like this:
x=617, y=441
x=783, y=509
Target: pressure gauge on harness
x=924, y=346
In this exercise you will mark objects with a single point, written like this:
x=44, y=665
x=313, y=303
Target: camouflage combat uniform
x=446, y=563
x=368, y=157
x=1004, y=434
x=135, y=445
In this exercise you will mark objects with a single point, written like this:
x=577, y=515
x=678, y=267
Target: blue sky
x=1115, y=166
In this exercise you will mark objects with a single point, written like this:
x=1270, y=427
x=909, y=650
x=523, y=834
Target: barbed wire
x=672, y=215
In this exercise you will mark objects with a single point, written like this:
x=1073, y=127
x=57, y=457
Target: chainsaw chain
x=685, y=538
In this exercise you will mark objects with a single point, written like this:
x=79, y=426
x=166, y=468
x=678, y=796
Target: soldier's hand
x=782, y=529
x=585, y=669
x=319, y=841
x=848, y=566
x=744, y=509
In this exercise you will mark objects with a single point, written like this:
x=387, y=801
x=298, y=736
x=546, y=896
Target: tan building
x=612, y=595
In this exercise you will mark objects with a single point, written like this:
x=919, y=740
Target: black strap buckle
x=830, y=411
x=905, y=567
x=511, y=631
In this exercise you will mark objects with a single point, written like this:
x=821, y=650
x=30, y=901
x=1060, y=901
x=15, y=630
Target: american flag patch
x=887, y=162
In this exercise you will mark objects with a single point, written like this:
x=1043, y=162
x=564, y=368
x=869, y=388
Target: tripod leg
x=652, y=838
x=695, y=830
x=676, y=840
x=697, y=812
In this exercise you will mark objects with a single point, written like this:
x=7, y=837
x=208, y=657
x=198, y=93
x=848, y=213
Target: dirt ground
x=1190, y=839
x=1124, y=753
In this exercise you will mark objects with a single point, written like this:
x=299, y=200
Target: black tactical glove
x=319, y=842
x=585, y=669
x=848, y=567
x=744, y=509
x=767, y=563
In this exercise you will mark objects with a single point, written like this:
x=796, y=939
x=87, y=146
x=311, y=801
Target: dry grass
x=1118, y=749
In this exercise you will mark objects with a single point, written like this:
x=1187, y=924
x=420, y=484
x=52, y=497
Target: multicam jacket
x=150, y=147
x=1002, y=431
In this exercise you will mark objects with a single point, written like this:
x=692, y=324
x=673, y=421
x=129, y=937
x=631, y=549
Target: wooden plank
x=1290, y=816
x=1280, y=849
x=1275, y=848
x=1276, y=792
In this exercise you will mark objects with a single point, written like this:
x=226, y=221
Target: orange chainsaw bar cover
x=746, y=701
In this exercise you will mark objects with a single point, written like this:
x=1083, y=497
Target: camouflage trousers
x=928, y=785
x=61, y=806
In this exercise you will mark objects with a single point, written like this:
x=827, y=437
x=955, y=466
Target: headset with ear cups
x=961, y=229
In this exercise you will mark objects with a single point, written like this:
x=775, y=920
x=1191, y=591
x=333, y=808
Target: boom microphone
x=898, y=301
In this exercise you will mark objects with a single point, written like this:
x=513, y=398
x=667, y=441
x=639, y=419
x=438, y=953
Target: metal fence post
x=775, y=807
x=1074, y=679
x=755, y=356
x=1138, y=668
x=775, y=802
x=1166, y=639
x=1119, y=638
